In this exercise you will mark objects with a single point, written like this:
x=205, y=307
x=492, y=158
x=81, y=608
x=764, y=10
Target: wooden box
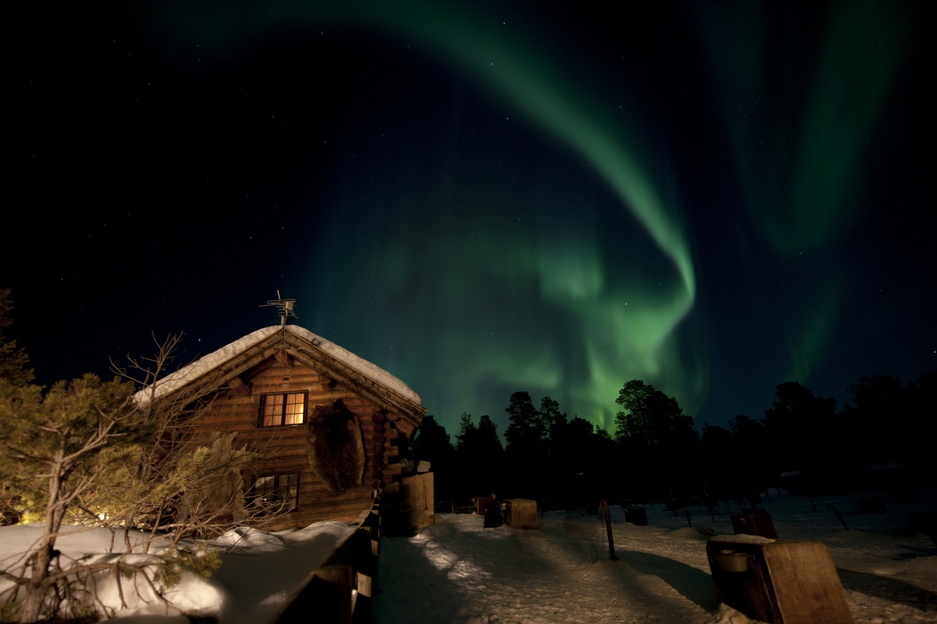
x=754, y=522
x=521, y=513
x=481, y=505
x=777, y=581
x=417, y=493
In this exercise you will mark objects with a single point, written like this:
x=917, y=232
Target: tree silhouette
x=586, y=460
x=14, y=363
x=557, y=446
x=479, y=458
x=658, y=440
x=801, y=428
x=719, y=462
x=552, y=418
x=750, y=444
x=919, y=417
x=431, y=443
x=490, y=474
x=526, y=448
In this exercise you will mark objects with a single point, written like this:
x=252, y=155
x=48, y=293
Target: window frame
x=283, y=408
x=286, y=494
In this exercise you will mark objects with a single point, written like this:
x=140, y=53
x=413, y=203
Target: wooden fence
x=341, y=590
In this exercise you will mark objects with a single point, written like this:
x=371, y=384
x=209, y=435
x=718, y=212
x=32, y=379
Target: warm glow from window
x=295, y=407
x=282, y=409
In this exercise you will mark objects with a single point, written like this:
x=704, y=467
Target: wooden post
x=328, y=594
x=341, y=590
x=603, y=509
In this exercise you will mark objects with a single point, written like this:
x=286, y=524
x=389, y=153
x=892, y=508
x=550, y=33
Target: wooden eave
x=309, y=354
x=257, y=356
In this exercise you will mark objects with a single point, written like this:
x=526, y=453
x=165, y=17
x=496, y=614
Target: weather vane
x=285, y=306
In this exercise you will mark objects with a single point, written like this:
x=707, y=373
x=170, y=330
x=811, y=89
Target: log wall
x=284, y=447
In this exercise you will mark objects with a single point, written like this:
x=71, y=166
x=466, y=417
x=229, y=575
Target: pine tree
x=526, y=451
x=54, y=443
x=96, y=453
x=13, y=359
x=658, y=440
x=431, y=443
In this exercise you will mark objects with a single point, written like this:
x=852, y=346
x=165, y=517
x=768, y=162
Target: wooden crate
x=521, y=513
x=417, y=492
x=777, y=581
x=481, y=505
x=754, y=522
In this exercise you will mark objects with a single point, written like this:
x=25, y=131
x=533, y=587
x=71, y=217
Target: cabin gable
x=324, y=457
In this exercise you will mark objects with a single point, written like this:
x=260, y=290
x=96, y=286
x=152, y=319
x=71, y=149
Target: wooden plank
x=805, y=583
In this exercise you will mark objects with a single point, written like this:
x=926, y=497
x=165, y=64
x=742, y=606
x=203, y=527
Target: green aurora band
x=799, y=169
x=404, y=270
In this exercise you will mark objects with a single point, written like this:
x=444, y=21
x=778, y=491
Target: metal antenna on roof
x=285, y=306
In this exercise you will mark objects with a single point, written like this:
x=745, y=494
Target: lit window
x=282, y=409
x=276, y=493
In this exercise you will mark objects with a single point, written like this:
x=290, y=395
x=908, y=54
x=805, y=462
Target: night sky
x=482, y=197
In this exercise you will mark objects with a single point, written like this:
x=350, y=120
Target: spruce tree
x=14, y=363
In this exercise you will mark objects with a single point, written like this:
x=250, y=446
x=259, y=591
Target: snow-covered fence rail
x=340, y=591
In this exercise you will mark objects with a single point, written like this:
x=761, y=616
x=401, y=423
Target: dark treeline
x=656, y=452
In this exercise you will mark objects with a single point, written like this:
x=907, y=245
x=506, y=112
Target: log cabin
x=331, y=427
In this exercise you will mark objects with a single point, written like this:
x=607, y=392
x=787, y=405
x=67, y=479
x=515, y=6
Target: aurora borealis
x=483, y=198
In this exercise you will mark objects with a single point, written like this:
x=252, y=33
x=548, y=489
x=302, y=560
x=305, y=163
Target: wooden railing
x=341, y=590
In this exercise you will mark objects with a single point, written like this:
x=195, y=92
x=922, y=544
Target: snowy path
x=458, y=572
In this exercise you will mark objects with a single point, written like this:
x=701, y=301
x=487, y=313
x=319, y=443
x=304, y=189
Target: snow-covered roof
x=210, y=362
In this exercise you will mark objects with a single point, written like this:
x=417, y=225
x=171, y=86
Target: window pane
x=295, y=404
x=265, y=488
x=273, y=410
x=289, y=489
x=276, y=493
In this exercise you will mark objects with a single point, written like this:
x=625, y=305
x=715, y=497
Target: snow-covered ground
x=458, y=571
